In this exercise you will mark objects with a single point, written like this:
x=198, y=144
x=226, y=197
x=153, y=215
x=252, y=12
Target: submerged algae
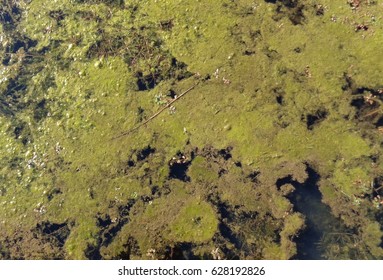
x=281, y=95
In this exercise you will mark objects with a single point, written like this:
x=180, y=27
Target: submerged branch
x=156, y=114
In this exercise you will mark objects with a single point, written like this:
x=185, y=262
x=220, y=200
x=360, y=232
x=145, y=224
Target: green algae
x=278, y=89
x=195, y=223
x=199, y=171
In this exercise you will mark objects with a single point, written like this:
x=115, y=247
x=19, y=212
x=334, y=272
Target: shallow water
x=307, y=200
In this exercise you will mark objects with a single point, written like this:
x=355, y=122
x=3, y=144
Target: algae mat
x=286, y=100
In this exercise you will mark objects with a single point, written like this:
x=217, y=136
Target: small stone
x=97, y=64
x=227, y=127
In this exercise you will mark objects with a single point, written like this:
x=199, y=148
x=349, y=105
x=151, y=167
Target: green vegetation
x=284, y=87
x=199, y=171
x=195, y=223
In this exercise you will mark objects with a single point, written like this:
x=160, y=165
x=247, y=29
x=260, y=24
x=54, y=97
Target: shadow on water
x=180, y=251
x=320, y=222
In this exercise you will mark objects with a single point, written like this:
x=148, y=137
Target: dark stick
x=156, y=114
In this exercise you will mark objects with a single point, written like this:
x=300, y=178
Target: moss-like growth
x=200, y=171
x=196, y=222
x=284, y=85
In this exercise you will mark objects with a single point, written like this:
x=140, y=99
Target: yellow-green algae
x=196, y=222
x=80, y=89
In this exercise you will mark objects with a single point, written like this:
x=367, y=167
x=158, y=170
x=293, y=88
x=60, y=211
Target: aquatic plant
x=291, y=97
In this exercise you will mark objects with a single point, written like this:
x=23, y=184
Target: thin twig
x=373, y=112
x=156, y=114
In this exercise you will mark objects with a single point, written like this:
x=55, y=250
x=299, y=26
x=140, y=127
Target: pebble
x=227, y=127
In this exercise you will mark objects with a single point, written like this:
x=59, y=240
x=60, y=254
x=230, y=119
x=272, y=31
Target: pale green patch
x=199, y=171
x=196, y=222
x=352, y=181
